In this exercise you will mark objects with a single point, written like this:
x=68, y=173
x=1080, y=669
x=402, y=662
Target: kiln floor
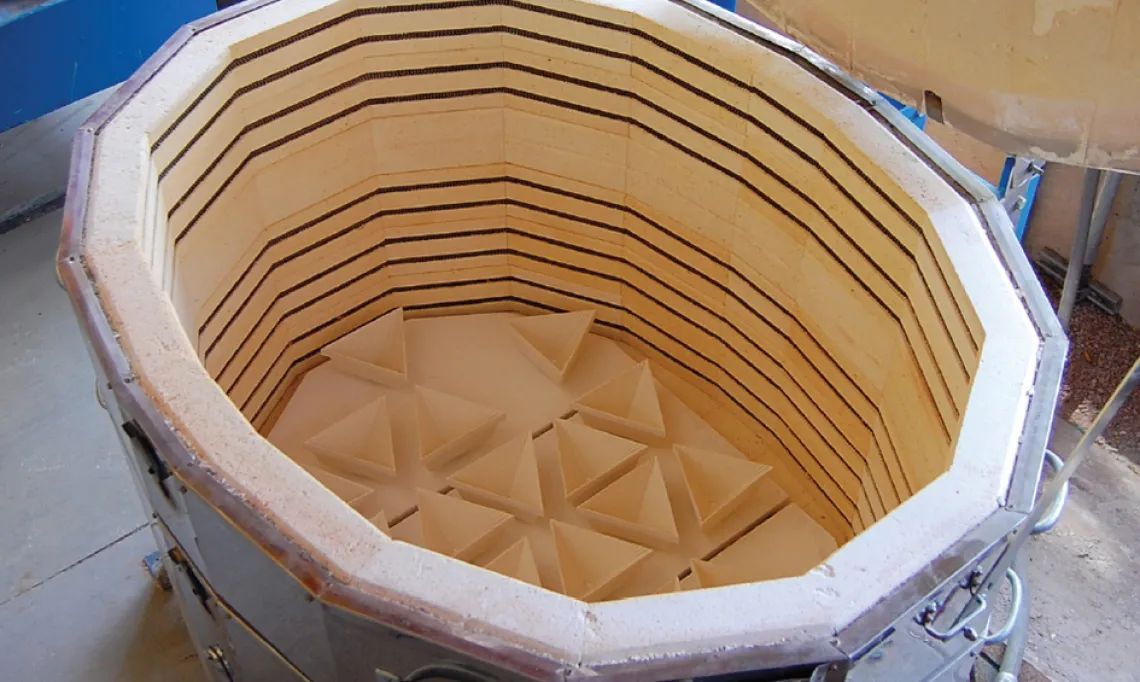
x=647, y=516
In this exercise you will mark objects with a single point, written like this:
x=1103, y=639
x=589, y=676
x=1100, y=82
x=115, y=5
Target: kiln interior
x=399, y=188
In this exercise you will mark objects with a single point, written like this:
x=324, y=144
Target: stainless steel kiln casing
x=260, y=608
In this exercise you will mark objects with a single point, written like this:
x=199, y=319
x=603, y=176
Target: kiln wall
x=527, y=157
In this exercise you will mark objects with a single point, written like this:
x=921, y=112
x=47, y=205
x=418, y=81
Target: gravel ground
x=1101, y=349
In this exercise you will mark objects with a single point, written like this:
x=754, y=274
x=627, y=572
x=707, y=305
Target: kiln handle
x=437, y=671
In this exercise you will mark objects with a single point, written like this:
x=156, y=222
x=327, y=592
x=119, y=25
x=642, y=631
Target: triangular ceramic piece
x=709, y=574
x=506, y=476
x=450, y=426
x=360, y=443
x=593, y=565
x=551, y=342
x=628, y=403
x=355, y=494
x=374, y=352
x=671, y=585
x=517, y=562
x=456, y=527
x=635, y=507
x=787, y=545
x=380, y=520
x=590, y=458
x=717, y=483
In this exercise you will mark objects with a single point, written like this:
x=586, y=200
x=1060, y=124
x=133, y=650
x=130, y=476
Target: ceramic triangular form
x=589, y=458
x=450, y=426
x=551, y=342
x=355, y=494
x=718, y=484
x=627, y=403
x=506, y=476
x=635, y=507
x=374, y=352
x=517, y=562
x=593, y=565
x=709, y=574
x=456, y=527
x=671, y=585
x=360, y=443
x=787, y=545
x=380, y=520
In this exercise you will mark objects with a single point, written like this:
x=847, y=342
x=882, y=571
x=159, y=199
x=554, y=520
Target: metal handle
x=960, y=624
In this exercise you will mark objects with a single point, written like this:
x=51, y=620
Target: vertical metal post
x=1104, y=200
x=1080, y=245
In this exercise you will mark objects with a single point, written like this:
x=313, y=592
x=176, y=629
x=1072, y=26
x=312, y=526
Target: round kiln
x=560, y=338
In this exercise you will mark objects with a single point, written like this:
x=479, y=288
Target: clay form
x=506, y=476
x=374, y=351
x=589, y=458
x=628, y=403
x=450, y=426
x=592, y=565
x=635, y=507
x=355, y=494
x=380, y=520
x=552, y=342
x=456, y=527
x=517, y=562
x=360, y=443
x=717, y=483
x=787, y=545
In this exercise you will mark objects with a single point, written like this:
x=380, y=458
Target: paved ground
x=76, y=603
x=1086, y=606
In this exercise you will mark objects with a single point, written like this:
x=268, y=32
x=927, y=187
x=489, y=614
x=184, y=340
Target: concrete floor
x=76, y=603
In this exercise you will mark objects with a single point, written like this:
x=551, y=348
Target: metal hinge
x=155, y=465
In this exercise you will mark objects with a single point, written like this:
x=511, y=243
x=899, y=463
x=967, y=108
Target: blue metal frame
x=54, y=52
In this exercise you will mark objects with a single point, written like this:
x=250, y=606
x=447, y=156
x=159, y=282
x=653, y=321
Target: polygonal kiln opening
x=603, y=309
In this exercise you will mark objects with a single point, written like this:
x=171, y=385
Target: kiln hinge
x=155, y=464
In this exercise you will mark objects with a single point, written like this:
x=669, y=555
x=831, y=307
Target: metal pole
x=1080, y=244
x=1104, y=201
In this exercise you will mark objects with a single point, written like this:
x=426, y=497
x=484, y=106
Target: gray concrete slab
x=65, y=491
x=34, y=157
x=1086, y=606
x=102, y=620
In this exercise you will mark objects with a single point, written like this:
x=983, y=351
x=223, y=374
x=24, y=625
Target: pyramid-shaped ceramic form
x=380, y=520
x=551, y=342
x=374, y=352
x=787, y=545
x=635, y=507
x=517, y=562
x=589, y=458
x=360, y=443
x=505, y=477
x=356, y=495
x=449, y=426
x=718, y=484
x=627, y=404
x=456, y=527
x=592, y=565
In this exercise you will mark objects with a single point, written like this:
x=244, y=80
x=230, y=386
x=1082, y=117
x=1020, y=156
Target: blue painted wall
x=54, y=52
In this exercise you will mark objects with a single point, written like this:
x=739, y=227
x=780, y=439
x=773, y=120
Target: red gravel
x=1101, y=349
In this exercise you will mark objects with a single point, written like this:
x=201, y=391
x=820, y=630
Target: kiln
x=553, y=339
